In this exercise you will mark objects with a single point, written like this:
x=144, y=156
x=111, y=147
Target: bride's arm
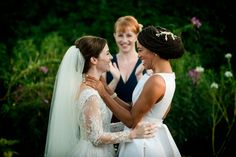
x=152, y=92
x=92, y=120
x=115, y=127
x=111, y=93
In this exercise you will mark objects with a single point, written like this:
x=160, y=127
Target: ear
x=114, y=35
x=93, y=60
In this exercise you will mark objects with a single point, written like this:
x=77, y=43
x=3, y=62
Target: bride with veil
x=79, y=121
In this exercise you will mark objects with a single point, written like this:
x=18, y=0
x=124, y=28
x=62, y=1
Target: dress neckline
x=161, y=73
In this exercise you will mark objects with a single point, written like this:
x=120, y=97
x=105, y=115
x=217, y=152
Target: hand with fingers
x=98, y=85
x=115, y=71
x=144, y=130
x=139, y=71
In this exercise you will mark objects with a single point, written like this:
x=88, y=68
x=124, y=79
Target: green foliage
x=190, y=112
x=204, y=98
x=5, y=147
x=29, y=84
x=222, y=95
x=38, y=35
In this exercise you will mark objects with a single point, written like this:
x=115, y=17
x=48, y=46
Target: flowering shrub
x=195, y=74
x=29, y=82
x=190, y=112
x=223, y=100
x=203, y=107
x=196, y=22
x=204, y=98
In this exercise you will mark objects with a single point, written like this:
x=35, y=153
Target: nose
x=139, y=55
x=125, y=39
x=111, y=57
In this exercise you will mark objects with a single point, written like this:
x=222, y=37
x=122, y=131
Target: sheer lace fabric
x=93, y=118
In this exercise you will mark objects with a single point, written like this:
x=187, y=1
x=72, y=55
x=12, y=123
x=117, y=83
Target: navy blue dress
x=123, y=89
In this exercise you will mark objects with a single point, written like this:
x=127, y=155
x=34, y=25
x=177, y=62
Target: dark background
x=35, y=19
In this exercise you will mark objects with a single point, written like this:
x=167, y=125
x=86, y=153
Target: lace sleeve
x=94, y=125
x=115, y=127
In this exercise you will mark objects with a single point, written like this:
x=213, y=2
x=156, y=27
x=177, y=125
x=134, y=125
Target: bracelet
x=113, y=95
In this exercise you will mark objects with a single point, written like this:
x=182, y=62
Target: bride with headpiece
x=152, y=96
x=79, y=121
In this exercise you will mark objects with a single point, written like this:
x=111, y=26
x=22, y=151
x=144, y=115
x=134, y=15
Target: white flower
x=228, y=74
x=199, y=69
x=228, y=55
x=214, y=85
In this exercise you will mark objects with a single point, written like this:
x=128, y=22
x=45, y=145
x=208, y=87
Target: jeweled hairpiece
x=166, y=33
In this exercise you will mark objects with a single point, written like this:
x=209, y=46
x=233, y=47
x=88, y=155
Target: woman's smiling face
x=104, y=59
x=125, y=40
x=145, y=55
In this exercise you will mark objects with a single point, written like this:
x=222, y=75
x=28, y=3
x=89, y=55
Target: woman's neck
x=162, y=66
x=125, y=56
x=131, y=53
x=94, y=73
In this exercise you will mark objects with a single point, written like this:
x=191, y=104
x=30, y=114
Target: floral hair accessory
x=158, y=34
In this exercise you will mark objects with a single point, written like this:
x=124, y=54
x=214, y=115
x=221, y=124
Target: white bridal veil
x=62, y=128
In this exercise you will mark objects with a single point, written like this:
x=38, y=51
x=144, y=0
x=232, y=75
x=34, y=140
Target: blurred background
x=34, y=35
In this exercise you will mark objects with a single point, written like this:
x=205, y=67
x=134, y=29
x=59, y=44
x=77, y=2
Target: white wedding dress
x=162, y=145
x=93, y=118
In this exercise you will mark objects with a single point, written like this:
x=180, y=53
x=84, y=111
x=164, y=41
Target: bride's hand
x=96, y=84
x=144, y=130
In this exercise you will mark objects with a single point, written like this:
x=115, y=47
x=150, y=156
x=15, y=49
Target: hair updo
x=90, y=46
x=162, y=42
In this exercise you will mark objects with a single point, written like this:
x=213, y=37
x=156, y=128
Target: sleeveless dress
x=123, y=89
x=93, y=119
x=162, y=145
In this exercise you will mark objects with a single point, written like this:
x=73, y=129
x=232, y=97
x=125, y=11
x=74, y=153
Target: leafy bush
x=201, y=114
x=204, y=105
x=4, y=147
x=29, y=83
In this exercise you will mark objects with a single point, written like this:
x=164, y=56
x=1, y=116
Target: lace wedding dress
x=93, y=119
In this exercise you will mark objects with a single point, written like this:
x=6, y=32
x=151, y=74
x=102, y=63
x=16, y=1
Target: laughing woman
x=79, y=121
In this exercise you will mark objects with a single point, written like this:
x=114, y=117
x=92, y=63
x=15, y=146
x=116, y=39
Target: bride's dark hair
x=162, y=42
